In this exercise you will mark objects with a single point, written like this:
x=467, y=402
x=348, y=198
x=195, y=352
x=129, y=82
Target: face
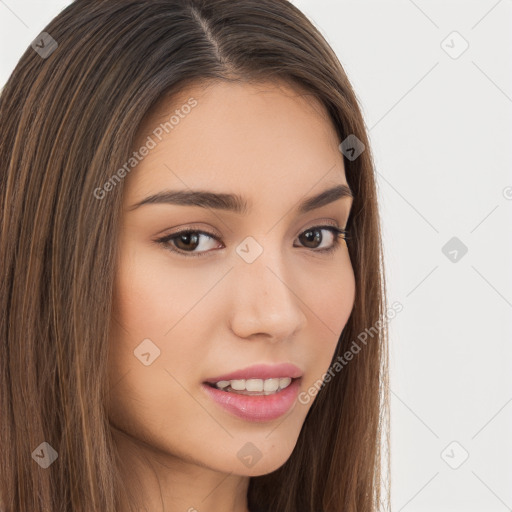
x=204, y=290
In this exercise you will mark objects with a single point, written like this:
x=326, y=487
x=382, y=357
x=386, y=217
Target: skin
x=274, y=145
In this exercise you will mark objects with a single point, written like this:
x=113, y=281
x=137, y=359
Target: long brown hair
x=68, y=118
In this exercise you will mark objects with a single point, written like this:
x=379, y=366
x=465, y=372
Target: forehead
x=239, y=136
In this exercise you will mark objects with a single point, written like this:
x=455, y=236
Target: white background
x=441, y=132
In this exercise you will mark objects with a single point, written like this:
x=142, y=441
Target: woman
x=191, y=263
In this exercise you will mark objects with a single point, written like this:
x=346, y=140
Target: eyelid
x=194, y=226
x=320, y=222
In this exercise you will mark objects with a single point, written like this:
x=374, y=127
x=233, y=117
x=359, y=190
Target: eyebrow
x=236, y=203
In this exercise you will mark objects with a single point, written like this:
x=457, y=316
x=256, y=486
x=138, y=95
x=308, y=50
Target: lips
x=255, y=408
x=260, y=371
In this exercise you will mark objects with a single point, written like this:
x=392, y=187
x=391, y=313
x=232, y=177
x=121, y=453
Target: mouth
x=258, y=393
x=253, y=387
x=254, y=406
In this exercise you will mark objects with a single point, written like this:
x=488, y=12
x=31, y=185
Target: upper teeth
x=255, y=384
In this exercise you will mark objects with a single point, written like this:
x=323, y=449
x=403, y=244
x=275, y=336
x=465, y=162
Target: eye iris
x=186, y=238
x=317, y=237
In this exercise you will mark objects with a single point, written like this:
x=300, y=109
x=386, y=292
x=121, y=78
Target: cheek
x=155, y=342
x=152, y=295
x=329, y=307
x=330, y=296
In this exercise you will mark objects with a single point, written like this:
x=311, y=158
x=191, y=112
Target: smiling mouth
x=256, y=387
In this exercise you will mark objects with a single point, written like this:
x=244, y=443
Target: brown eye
x=311, y=237
x=187, y=241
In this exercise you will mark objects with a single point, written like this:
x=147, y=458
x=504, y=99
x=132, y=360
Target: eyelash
x=337, y=232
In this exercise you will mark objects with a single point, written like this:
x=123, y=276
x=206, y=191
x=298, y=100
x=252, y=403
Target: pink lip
x=255, y=407
x=261, y=371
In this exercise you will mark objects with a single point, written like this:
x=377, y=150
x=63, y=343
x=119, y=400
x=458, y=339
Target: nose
x=264, y=302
